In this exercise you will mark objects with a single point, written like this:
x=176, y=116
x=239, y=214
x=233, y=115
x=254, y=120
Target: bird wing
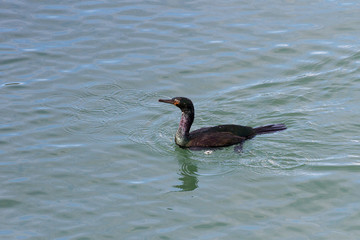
x=214, y=139
x=238, y=130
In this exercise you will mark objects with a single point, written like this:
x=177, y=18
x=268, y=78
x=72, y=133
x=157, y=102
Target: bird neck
x=182, y=134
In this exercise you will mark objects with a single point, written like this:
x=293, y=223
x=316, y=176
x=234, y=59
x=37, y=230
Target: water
x=87, y=152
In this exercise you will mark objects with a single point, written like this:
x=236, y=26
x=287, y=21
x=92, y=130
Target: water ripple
x=97, y=101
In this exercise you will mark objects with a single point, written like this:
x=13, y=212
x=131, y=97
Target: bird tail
x=269, y=128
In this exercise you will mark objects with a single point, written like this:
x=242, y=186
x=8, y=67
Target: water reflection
x=188, y=172
x=188, y=178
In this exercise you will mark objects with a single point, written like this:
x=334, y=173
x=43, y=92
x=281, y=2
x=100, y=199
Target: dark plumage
x=212, y=137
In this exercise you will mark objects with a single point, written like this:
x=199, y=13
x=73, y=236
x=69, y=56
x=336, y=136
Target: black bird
x=212, y=137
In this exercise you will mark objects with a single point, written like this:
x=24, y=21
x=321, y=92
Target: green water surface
x=88, y=152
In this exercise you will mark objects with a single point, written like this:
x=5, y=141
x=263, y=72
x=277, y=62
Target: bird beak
x=167, y=101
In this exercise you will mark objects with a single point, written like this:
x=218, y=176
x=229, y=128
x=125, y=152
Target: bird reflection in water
x=188, y=173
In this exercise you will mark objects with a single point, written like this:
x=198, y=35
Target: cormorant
x=212, y=137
